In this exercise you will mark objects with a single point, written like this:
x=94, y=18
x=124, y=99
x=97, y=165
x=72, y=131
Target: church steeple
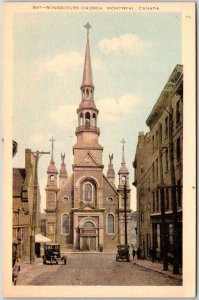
x=87, y=75
x=87, y=111
x=123, y=171
x=52, y=171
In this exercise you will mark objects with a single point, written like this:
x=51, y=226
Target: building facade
x=158, y=173
x=23, y=193
x=85, y=210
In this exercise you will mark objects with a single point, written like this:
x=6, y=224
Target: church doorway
x=88, y=237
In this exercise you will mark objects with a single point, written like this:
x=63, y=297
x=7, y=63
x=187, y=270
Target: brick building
x=23, y=189
x=85, y=210
x=158, y=172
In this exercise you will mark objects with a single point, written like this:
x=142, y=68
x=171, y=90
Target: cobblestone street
x=92, y=269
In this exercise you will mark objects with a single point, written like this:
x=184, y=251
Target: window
x=110, y=200
x=156, y=139
x=52, y=177
x=157, y=168
x=178, y=150
x=110, y=226
x=142, y=216
x=166, y=126
x=179, y=193
x=166, y=160
x=167, y=199
x=51, y=229
x=81, y=119
x=153, y=172
x=87, y=119
x=160, y=132
x=177, y=112
x=94, y=120
x=88, y=225
x=65, y=199
x=153, y=143
x=65, y=224
x=153, y=201
x=157, y=200
x=88, y=192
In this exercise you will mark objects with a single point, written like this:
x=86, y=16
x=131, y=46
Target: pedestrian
x=153, y=254
x=134, y=253
x=138, y=253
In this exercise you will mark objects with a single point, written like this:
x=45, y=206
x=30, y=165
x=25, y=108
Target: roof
x=19, y=175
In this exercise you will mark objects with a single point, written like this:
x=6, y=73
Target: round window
x=65, y=199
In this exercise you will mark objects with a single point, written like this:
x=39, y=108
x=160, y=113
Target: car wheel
x=65, y=260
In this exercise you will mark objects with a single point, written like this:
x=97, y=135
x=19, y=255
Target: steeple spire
x=87, y=75
x=52, y=147
x=123, y=168
x=123, y=142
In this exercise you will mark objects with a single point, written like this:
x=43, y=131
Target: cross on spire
x=88, y=27
x=52, y=140
x=123, y=142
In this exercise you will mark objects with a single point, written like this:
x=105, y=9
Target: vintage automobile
x=52, y=254
x=123, y=253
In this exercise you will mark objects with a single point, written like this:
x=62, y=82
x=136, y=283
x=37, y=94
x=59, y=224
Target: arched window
x=87, y=119
x=81, y=119
x=94, y=120
x=88, y=192
x=87, y=92
x=88, y=225
x=65, y=224
x=110, y=227
x=110, y=200
x=65, y=199
x=52, y=177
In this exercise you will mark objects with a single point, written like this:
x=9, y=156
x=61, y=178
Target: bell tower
x=87, y=150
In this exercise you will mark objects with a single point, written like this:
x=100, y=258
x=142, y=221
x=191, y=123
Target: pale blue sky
x=133, y=55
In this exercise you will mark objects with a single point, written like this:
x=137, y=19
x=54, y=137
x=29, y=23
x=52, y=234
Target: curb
x=159, y=271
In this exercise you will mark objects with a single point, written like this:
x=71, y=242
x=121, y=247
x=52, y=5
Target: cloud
x=64, y=64
x=64, y=116
x=128, y=43
x=114, y=110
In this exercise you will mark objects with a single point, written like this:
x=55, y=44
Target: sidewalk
x=157, y=267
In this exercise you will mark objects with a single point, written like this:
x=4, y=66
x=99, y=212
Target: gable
x=88, y=160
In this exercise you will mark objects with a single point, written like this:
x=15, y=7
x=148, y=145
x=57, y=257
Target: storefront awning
x=39, y=238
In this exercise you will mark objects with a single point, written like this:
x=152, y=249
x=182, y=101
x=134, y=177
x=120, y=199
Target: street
x=92, y=269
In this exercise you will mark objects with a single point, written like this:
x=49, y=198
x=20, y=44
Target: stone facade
x=158, y=172
x=85, y=211
x=23, y=190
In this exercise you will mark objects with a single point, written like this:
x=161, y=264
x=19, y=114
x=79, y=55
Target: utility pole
x=125, y=216
x=56, y=214
x=34, y=207
x=163, y=224
x=173, y=196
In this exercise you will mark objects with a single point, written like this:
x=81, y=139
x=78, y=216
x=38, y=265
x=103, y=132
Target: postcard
x=99, y=139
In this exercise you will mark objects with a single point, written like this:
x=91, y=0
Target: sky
x=132, y=54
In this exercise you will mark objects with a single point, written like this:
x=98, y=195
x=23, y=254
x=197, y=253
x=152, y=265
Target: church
x=86, y=211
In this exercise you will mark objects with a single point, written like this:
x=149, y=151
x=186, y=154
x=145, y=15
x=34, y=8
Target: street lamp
x=125, y=215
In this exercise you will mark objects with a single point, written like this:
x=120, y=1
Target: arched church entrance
x=88, y=236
